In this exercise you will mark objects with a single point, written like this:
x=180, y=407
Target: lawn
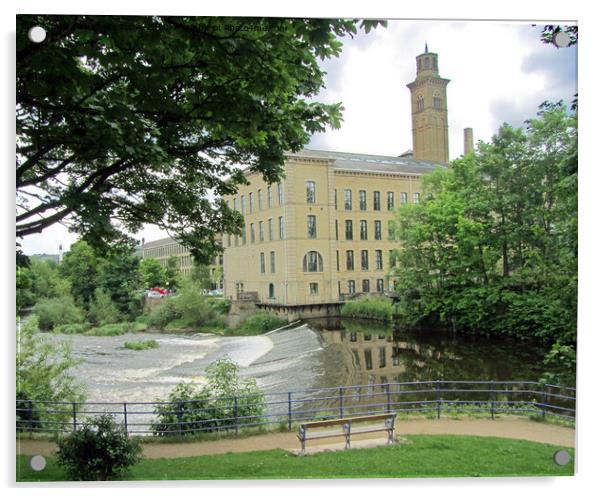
x=419, y=456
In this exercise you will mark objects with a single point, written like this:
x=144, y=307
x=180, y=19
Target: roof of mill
x=359, y=162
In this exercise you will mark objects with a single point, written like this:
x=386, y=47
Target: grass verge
x=418, y=456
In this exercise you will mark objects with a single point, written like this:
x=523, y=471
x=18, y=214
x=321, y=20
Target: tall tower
x=429, y=110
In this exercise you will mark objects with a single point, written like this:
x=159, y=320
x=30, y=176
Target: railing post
x=74, y=416
x=341, y=402
x=236, y=414
x=290, y=411
x=179, y=414
x=544, y=401
x=388, y=398
x=492, y=395
x=30, y=418
x=438, y=397
x=125, y=417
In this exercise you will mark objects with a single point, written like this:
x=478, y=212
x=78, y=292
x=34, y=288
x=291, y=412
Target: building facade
x=163, y=249
x=322, y=235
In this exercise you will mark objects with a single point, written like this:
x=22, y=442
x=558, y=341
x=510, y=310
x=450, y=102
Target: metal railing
x=288, y=408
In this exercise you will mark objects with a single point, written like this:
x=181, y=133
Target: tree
x=44, y=374
x=125, y=120
x=119, y=276
x=47, y=281
x=172, y=272
x=80, y=267
x=152, y=273
x=493, y=247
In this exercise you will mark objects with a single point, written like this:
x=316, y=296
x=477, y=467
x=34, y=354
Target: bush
x=102, y=309
x=99, y=450
x=71, y=328
x=53, y=312
x=161, y=315
x=111, y=329
x=44, y=374
x=141, y=345
x=260, y=323
x=220, y=305
x=189, y=309
x=222, y=403
x=380, y=308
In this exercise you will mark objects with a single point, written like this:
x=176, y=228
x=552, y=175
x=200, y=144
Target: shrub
x=53, y=312
x=222, y=403
x=163, y=314
x=189, y=309
x=99, y=450
x=220, y=305
x=141, y=345
x=260, y=323
x=71, y=328
x=43, y=371
x=110, y=329
x=102, y=309
x=379, y=308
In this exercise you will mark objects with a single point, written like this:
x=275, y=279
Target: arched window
x=420, y=103
x=427, y=63
x=271, y=290
x=437, y=102
x=312, y=262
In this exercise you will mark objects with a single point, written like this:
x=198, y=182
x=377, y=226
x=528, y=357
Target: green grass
x=378, y=308
x=141, y=345
x=419, y=456
x=258, y=323
x=116, y=329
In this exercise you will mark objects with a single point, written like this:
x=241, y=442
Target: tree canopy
x=126, y=120
x=493, y=247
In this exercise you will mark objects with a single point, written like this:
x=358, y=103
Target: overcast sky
x=499, y=71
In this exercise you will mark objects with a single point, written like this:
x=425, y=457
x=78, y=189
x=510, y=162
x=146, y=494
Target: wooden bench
x=346, y=427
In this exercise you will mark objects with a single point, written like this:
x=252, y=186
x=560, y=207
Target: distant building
x=163, y=249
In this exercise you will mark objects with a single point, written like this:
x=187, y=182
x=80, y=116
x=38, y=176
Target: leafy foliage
x=222, y=403
x=52, y=312
x=190, y=308
x=44, y=373
x=493, y=248
x=379, y=308
x=80, y=268
x=119, y=276
x=152, y=273
x=259, y=323
x=136, y=119
x=141, y=345
x=99, y=450
x=102, y=309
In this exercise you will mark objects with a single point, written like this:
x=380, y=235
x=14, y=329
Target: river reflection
x=374, y=353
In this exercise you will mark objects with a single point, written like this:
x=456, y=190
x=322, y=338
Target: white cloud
x=485, y=62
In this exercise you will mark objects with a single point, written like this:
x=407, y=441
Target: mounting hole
x=37, y=463
x=561, y=39
x=37, y=34
x=562, y=457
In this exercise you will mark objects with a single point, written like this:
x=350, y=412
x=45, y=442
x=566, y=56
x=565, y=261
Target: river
x=316, y=354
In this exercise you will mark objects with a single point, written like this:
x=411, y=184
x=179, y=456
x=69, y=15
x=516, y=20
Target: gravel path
x=507, y=427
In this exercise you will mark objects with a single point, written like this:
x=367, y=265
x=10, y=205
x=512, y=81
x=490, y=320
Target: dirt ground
x=508, y=427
